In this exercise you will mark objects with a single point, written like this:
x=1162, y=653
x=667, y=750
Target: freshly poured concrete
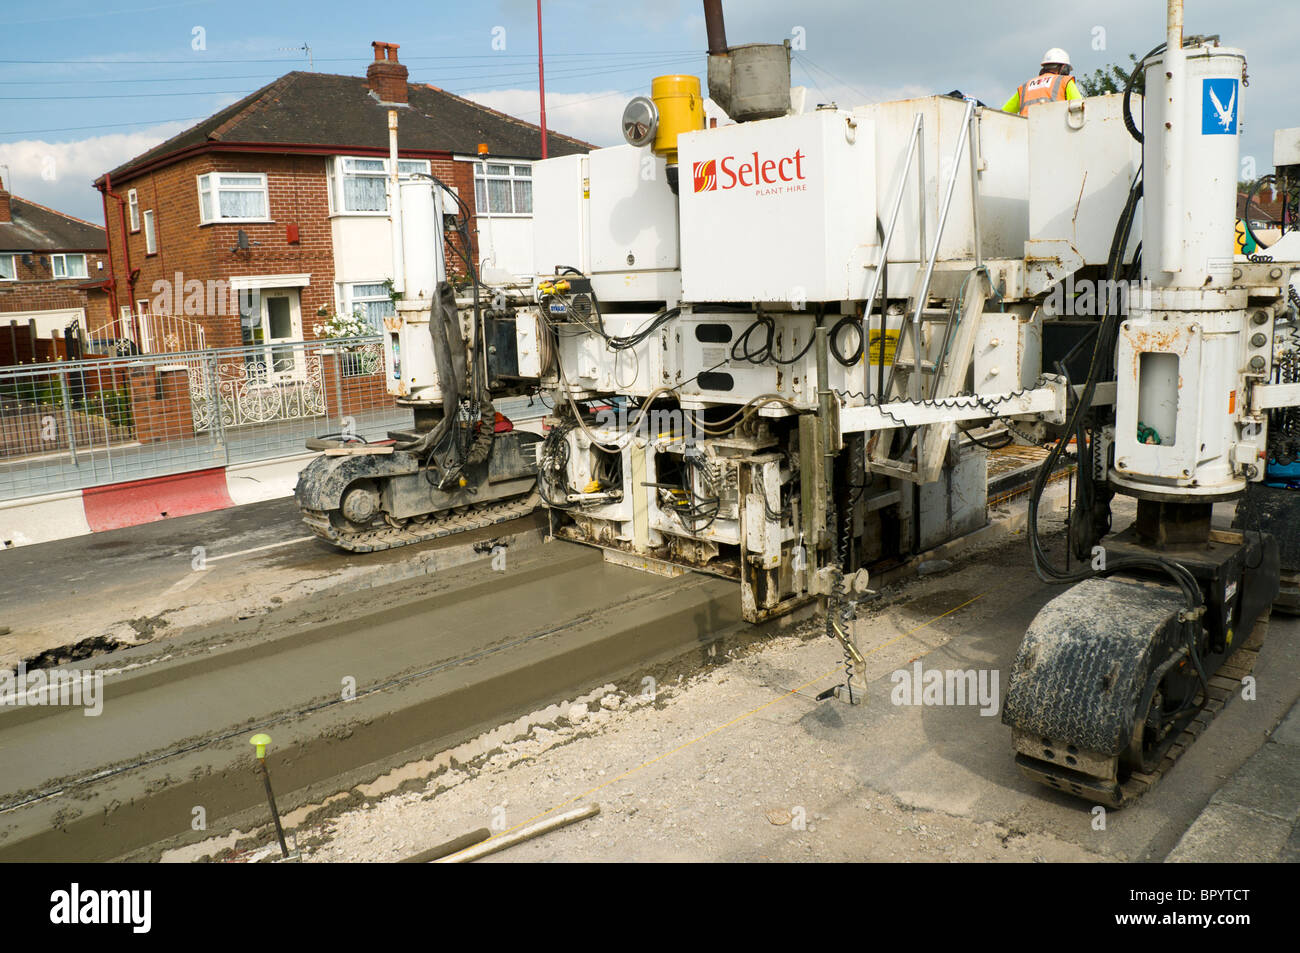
x=432, y=661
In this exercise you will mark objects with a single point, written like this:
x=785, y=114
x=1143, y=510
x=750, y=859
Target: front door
x=282, y=320
x=276, y=324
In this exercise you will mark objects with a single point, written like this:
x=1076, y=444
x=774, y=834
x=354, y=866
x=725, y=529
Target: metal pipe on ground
x=275, y=811
x=453, y=846
x=527, y=832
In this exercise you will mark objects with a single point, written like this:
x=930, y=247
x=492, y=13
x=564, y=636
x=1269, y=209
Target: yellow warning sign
x=891, y=345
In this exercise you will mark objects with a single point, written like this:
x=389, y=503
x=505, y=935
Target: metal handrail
x=923, y=292
x=975, y=226
x=882, y=261
x=964, y=140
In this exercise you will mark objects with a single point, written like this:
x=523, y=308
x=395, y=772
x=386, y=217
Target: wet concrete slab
x=68, y=599
x=430, y=661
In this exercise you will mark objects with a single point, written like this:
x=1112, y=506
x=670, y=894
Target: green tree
x=1111, y=79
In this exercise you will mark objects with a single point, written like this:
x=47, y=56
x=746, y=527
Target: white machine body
x=1002, y=159
x=409, y=368
x=777, y=224
x=1193, y=160
x=1183, y=426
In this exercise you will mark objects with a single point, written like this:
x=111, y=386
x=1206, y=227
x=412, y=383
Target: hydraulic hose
x=1128, y=92
x=450, y=365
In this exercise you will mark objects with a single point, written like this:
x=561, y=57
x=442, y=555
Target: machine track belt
x=419, y=531
x=1223, y=684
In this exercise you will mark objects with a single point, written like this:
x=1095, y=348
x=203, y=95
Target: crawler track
x=1225, y=683
x=421, y=530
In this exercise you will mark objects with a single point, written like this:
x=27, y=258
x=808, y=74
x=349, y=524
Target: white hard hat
x=1058, y=56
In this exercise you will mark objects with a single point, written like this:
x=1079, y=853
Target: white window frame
x=150, y=233
x=13, y=268
x=210, y=184
x=338, y=172
x=143, y=312
x=482, y=176
x=133, y=209
x=61, y=259
x=348, y=300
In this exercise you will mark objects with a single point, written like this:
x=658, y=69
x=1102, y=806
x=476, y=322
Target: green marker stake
x=262, y=742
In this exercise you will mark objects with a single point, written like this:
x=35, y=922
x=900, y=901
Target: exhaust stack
x=748, y=82
x=717, y=30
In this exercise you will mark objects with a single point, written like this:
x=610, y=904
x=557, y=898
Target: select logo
x=706, y=175
x=768, y=175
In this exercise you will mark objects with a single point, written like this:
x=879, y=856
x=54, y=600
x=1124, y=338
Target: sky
x=87, y=84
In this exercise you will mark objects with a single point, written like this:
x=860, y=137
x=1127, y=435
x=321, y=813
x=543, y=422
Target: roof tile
x=323, y=109
x=37, y=228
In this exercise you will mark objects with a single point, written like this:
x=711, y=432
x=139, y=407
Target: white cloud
x=59, y=174
x=592, y=117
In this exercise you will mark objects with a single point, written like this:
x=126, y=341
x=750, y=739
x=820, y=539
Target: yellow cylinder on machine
x=681, y=109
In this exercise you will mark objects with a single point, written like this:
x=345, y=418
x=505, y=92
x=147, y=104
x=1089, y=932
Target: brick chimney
x=385, y=76
x=6, y=212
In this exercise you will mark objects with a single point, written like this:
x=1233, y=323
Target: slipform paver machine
x=769, y=348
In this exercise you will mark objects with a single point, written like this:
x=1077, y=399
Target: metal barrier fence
x=102, y=420
x=155, y=334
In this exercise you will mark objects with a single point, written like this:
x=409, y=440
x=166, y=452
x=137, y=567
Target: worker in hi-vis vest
x=1053, y=84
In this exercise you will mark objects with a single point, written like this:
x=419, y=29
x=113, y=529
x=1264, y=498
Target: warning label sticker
x=891, y=345
x=1220, y=269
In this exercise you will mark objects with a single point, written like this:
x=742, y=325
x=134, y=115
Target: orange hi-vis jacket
x=1045, y=88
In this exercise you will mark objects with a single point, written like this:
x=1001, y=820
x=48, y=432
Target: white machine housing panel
x=1192, y=167
x=1003, y=157
x=596, y=212
x=1179, y=372
x=410, y=371
x=589, y=364
x=778, y=210
x=1008, y=352
x=1163, y=395
x=1082, y=161
x=699, y=362
x=633, y=212
x=1286, y=147
x=560, y=214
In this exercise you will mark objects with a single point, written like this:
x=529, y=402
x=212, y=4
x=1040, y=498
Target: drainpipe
x=126, y=246
x=395, y=204
x=112, y=272
x=1175, y=112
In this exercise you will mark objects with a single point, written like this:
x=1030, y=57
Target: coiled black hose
x=1132, y=128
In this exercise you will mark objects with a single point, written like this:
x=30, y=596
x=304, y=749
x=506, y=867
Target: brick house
x=283, y=193
x=51, y=266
